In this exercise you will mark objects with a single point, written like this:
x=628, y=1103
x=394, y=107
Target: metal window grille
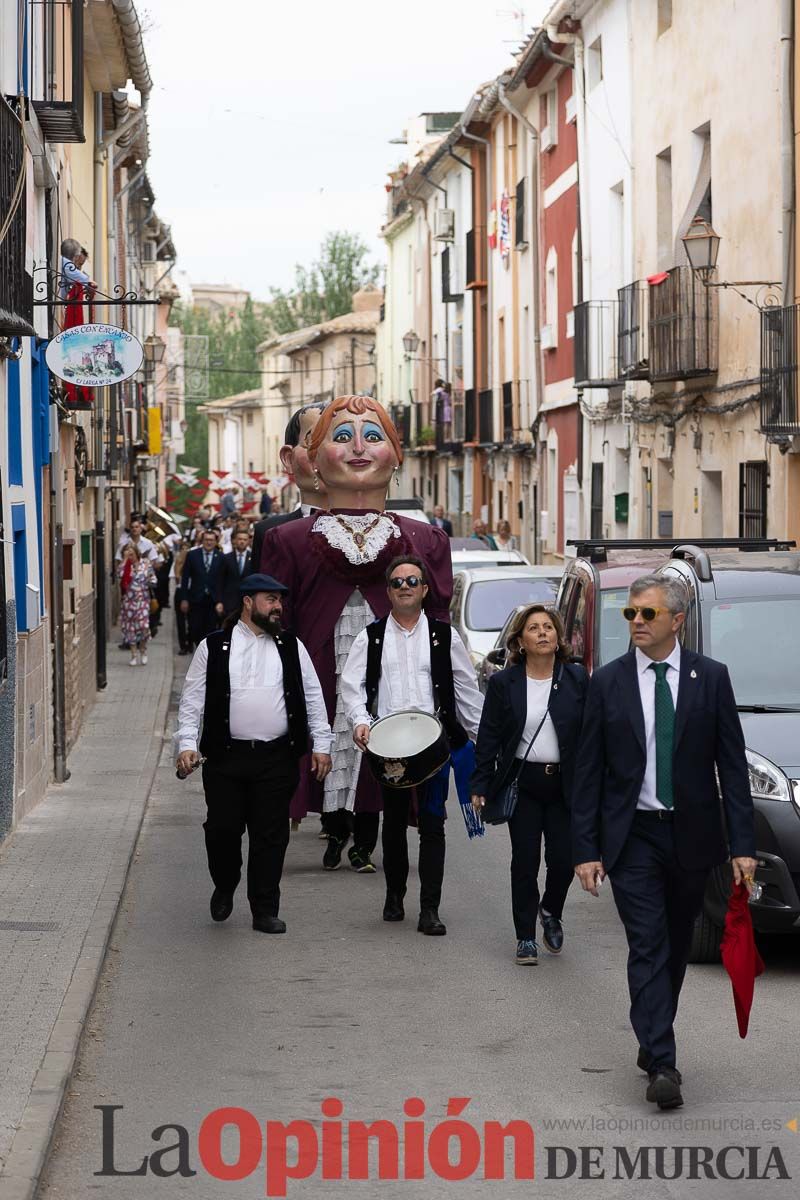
x=596, y=509
x=682, y=326
x=632, y=350
x=16, y=286
x=780, y=340
x=753, y=499
x=55, y=68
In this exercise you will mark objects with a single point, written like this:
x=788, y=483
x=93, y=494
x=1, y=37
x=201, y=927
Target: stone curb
x=29, y=1150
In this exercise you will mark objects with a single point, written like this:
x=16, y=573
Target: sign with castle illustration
x=94, y=355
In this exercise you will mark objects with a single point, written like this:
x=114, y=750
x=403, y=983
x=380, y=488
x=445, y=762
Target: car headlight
x=767, y=782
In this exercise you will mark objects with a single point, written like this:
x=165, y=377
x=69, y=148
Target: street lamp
x=701, y=244
x=702, y=247
x=410, y=342
x=154, y=347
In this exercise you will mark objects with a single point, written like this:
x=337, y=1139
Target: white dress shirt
x=647, y=694
x=258, y=704
x=405, y=680
x=545, y=749
x=145, y=547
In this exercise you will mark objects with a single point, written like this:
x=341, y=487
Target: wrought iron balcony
x=470, y=416
x=596, y=344
x=16, y=285
x=780, y=343
x=56, y=68
x=401, y=419
x=632, y=331
x=682, y=326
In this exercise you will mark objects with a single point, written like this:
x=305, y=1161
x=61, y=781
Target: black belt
x=544, y=768
x=280, y=743
x=656, y=814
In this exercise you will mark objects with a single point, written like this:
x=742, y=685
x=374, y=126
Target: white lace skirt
x=340, y=784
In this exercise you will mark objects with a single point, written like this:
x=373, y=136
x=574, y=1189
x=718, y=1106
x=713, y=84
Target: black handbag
x=500, y=809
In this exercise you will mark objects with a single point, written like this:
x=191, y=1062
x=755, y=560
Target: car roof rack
x=596, y=549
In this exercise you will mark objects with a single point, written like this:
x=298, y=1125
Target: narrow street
x=192, y=1016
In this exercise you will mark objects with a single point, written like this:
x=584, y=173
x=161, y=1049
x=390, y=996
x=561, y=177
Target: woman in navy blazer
x=538, y=671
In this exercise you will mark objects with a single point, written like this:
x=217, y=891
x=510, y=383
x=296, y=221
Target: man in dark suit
x=658, y=723
x=235, y=567
x=440, y=520
x=200, y=584
x=294, y=460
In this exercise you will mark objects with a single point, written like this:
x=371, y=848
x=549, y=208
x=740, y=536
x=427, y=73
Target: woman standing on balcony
x=134, y=619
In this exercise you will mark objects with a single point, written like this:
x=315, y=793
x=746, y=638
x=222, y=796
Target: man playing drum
x=403, y=663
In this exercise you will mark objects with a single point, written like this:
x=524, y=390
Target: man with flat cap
x=255, y=690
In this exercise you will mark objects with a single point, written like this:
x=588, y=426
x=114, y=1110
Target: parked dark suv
x=744, y=610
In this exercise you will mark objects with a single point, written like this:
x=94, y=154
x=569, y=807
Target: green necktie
x=665, y=734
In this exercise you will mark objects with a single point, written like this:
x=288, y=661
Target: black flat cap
x=261, y=583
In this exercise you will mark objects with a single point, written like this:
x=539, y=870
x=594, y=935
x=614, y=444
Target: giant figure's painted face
x=356, y=453
x=295, y=458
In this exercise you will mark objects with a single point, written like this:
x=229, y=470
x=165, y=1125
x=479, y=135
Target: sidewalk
x=62, y=873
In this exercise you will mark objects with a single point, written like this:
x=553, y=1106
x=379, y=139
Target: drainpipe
x=101, y=624
x=787, y=151
x=537, y=337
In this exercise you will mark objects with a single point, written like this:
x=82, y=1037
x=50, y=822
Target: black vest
x=216, y=737
x=444, y=692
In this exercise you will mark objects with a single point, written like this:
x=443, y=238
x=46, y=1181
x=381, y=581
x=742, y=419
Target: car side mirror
x=496, y=657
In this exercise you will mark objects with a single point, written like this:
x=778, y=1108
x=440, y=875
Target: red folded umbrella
x=739, y=954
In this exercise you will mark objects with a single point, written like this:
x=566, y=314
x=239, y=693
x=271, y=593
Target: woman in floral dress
x=134, y=619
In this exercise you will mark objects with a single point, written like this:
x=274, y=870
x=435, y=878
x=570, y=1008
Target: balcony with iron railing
x=780, y=349
x=402, y=420
x=449, y=424
x=683, y=326
x=16, y=285
x=632, y=330
x=596, y=344
x=55, y=68
x=470, y=417
x=486, y=417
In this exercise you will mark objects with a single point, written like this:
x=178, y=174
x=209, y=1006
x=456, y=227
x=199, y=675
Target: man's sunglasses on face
x=411, y=581
x=646, y=613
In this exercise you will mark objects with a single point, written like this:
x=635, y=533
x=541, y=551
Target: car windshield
x=614, y=633
x=468, y=564
x=759, y=642
x=491, y=600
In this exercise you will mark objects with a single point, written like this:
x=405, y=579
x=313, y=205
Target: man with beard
x=256, y=691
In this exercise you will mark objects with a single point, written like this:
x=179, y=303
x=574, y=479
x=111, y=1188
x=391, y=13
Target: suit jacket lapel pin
x=693, y=674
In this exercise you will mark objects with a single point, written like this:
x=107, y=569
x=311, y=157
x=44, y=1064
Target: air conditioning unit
x=444, y=225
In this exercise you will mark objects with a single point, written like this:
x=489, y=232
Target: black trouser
x=658, y=901
x=395, y=846
x=363, y=826
x=250, y=786
x=540, y=811
x=202, y=619
x=182, y=626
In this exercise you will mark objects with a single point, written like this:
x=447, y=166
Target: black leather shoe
x=332, y=858
x=429, y=923
x=552, y=932
x=664, y=1088
x=269, y=925
x=643, y=1063
x=393, y=908
x=221, y=905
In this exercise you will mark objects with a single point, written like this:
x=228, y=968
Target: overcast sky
x=270, y=121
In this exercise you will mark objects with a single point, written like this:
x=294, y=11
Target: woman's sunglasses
x=647, y=613
x=412, y=581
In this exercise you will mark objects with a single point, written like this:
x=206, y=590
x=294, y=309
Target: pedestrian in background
x=200, y=582
x=235, y=567
x=480, y=530
x=504, y=538
x=265, y=503
x=136, y=578
x=181, y=619
x=441, y=521
x=530, y=731
x=661, y=741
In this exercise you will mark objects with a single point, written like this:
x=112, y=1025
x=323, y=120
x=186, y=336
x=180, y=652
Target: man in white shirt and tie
x=410, y=661
x=254, y=689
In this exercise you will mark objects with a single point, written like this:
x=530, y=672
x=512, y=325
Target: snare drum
x=406, y=748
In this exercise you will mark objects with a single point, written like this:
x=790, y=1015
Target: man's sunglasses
x=411, y=581
x=647, y=613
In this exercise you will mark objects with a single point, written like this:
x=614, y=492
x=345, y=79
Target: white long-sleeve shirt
x=405, y=680
x=647, y=693
x=258, y=704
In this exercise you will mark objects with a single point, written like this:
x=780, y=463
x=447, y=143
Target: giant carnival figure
x=333, y=564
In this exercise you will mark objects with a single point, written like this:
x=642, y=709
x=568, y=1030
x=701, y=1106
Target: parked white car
x=483, y=598
x=471, y=552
